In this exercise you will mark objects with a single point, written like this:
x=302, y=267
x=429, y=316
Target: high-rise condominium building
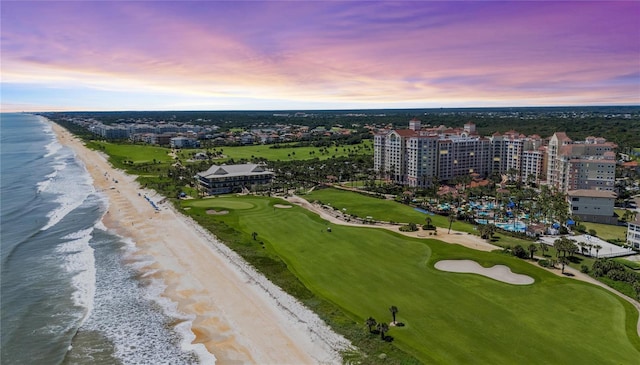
x=580, y=165
x=417, y=156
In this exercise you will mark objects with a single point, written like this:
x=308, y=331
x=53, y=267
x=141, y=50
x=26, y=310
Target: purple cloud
x=390, y=51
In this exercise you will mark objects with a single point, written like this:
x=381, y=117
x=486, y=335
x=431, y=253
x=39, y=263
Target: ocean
x=70, y=289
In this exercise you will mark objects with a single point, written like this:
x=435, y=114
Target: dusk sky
x=267, y=55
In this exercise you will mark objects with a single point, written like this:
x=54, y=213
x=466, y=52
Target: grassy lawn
x=607, y=231
x=286, y=153
x=380, y=209
x=450, y=318
x=130, y=152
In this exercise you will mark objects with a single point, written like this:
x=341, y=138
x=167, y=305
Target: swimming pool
x=512, y=227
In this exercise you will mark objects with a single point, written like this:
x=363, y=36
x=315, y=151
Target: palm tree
x=428, y=221
x=393, y=309
x=572, y=248
x=597, y=247
x=582, y=246
x=382, y=327
x=532, y=249
x=371, y=322
x=543, y=247
x=452, y=218
x=563, y=260
x=559, y=246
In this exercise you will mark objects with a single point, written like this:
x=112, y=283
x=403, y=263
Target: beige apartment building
x=417, y=156
x=580, y=165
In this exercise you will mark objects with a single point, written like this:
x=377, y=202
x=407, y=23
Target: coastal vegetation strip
x=351, y=273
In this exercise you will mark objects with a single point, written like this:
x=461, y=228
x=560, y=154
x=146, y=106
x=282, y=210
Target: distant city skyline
x=294, y=55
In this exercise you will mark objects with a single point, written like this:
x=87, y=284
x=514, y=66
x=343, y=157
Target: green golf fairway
x=450, y=318
x=288, y=153
x=380, y=209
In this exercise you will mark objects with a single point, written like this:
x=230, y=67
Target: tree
x=564, y=246
x=563, y=260
x=558, y=245
x=371, y=322
x=597, y=247
x=519, y=252
x=572, y=248
x=487, y=230
x=452, y=218
x=582, y=246
x=428, y=221
x=532, y=249
x=382, y=327
x=393, y=309
x=544, y=248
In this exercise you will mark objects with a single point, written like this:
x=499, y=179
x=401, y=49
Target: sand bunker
x=497, y=272
x=282, y=206
x=217, y=212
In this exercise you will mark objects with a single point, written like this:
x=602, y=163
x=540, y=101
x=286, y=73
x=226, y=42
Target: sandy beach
x=238, y=315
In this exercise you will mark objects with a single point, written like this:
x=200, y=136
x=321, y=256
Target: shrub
x=543, y=263
x=584, y=269
x=593, y=232
x=519, y=252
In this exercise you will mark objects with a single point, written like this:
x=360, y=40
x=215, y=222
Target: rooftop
x=592, y=193
x=234, y=170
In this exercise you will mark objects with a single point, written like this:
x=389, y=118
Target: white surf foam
x=52, y=148
x=79, y=260
x=72, y=185
x=44, y=185
x=154, y=292
x=135, y=319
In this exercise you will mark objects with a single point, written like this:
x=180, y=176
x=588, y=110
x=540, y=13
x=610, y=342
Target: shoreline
x=239, y=316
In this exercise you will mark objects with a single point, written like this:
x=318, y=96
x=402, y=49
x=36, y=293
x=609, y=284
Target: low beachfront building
x=233, y=178
x=184, y=142
x=633, y=234
x=593, y=205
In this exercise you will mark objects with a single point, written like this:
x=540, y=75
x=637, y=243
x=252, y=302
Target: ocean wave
x=52, y=148
x=127, y=315
x=79, y=260
x=153, y=290
x=43, y=185
x=72, y=185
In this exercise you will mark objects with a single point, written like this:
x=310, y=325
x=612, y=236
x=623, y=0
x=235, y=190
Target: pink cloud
x=372, y=51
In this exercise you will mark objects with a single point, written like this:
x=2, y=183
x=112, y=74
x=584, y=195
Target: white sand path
x=239, y=316
x=455, y=237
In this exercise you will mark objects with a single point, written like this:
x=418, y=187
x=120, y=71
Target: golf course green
x=450, y=318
